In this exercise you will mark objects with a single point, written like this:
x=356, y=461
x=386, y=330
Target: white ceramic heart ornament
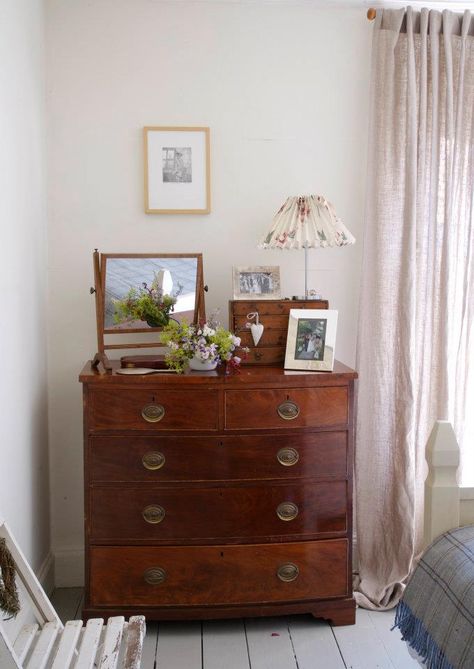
x=256, y=329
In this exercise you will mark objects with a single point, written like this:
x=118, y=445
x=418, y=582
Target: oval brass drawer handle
x=153, y=514
x=153, y=413
x=288, y=456
x=155, y=575
x=288, y=410
x=153, y=460
x=288, y=572
x=287, y=511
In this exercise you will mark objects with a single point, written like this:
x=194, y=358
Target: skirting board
x=69, y=568
x=45, y=574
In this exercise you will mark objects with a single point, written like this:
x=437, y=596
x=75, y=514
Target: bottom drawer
x=200, y=575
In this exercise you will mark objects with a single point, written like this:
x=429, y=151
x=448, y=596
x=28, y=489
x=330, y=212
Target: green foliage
x=147, y=304
x=209, y=341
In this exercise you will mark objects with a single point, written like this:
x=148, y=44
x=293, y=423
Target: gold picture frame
x=177, y=170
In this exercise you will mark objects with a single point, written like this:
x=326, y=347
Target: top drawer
x=286, y=408
x=131, y=409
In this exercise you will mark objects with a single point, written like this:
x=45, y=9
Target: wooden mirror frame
x=100, y=265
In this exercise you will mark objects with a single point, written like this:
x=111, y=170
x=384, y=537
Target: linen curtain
x=415, y=331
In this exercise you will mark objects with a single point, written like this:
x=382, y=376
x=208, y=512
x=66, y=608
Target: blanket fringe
x=415, y=634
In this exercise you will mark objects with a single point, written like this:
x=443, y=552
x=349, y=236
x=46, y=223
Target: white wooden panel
x=179, y=646
x=133, y=642
x=24, y=640
x=360, y=645
x=224, y=645
x=392, y=640
x=313, y=639
x=111, y=646
x=269, y=644
x=44, y=645
x=149, y=646
x=67, y=645
x=7, y=654
x=89, y=643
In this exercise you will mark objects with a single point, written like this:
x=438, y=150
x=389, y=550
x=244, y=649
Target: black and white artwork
x=256, y=282
x=262, y=281
x=177, y=164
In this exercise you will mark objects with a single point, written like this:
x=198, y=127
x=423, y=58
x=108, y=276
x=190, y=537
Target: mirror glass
x=140, y=292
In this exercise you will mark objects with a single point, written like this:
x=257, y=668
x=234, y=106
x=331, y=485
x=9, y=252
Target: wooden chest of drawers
x=211, y=496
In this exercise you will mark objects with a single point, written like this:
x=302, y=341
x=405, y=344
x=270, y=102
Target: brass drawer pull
x=155, y=575
x=288, y=410
x=153, y=413
x=287, y=511
x=288, y=456
x=288, y=572
x=153, y=514
x=153, y=460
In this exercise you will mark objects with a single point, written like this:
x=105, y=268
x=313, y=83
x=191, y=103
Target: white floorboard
x=149, y=646
x=314, y=644
x=296, y=642
x=179, y=646
x=396, y=649
x=269, y=644
x=224, y=644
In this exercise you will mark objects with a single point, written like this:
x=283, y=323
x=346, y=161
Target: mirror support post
x=100, y=356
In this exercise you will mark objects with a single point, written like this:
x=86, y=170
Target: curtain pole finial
x=371, y=14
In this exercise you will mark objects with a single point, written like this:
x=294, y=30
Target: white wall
x=24, y=497
x=284, y=89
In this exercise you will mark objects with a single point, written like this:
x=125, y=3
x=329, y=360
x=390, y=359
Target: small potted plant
x=147, y=303
x=202, y=346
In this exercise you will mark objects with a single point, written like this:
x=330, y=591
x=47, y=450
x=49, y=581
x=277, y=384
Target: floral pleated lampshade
x=306, y=221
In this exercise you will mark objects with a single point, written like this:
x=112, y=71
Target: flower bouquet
x=147, y=303
x=202, y=346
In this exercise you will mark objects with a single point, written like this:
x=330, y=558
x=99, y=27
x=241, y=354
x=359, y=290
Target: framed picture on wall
x=261, y=282
x=177, y=170
x=311, y=340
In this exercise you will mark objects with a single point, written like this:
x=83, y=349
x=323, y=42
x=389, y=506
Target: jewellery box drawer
x=131, y=409
x=286, y=408
x=207, y=513
x=160, y=459
x=211, y=575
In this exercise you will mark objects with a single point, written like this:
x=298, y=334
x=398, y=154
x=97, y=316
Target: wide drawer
x=212, y=575
x=242, y=512
x=131, y=409
x=286, y=408
x=162, y=458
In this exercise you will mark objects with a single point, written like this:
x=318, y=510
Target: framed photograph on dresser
x=257, y=282
x=311, y=339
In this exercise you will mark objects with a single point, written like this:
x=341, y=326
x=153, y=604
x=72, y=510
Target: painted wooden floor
x=296, y=642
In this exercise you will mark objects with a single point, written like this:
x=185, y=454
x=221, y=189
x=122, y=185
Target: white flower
x=207, y=331
x=235, y=340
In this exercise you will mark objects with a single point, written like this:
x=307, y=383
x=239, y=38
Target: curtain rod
x=371, y=14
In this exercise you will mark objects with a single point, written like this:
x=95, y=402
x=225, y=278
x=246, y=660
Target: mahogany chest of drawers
x=210, y=496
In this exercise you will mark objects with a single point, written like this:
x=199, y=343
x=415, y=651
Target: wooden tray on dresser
x=273, y=314
x=213, y=496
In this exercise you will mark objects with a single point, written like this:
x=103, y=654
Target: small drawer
x=286, y=408
x=163, y=458
x=152, y=410
x=211, y=575
x=271, y=307
x=243, y=512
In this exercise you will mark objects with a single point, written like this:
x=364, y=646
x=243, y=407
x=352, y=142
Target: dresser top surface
x=247, y=376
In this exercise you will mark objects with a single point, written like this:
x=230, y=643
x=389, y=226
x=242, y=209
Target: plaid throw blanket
x=436, y=612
